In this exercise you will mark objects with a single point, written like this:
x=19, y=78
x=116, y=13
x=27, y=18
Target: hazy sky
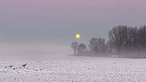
x=59, y=20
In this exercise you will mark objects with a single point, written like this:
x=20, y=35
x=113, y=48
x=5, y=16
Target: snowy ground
x=44, y=64
x=75, y=69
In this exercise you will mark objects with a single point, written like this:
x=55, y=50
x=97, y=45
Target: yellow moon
x=78, y=36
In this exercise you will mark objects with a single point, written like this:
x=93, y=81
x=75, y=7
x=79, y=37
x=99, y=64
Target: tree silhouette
x=122, y=39
x=74, y=46
x=142, y=38
x=93, y=45
x=101, y=45
x=118, y=36
x=97, y=45
x=82, y=49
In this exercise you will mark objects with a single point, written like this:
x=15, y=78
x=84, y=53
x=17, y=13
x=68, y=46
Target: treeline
x=123, y=41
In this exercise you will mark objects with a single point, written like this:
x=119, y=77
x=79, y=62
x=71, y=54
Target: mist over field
x=32, y=51
x=38, y=43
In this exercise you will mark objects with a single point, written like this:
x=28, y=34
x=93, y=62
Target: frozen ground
x=43, y=64
x=76, y=70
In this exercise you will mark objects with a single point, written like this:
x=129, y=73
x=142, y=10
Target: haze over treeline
x=124, y=41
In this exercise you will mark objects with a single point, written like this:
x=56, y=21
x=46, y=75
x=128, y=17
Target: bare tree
x=142, y=38
x=101, y=45
x=97, y=45
x=121, y=39
x=109, y=46
x=82, y=49
x=131, y=41
x=93, y=45
x=118, y=36
x=74, y=46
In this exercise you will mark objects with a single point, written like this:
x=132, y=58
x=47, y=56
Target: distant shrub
x=82, y=48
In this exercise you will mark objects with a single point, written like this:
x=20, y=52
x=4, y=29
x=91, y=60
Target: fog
x=32, y=51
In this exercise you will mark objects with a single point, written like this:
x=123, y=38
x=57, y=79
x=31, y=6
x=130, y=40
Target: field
x=45, y=63
x=75, y=69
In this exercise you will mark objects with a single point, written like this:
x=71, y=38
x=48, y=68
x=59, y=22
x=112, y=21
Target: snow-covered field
x=42, y=63
x=75, y=69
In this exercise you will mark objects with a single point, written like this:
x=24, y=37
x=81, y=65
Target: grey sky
x=38, y=20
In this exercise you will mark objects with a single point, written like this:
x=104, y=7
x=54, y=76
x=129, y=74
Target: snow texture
x=82, y=69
